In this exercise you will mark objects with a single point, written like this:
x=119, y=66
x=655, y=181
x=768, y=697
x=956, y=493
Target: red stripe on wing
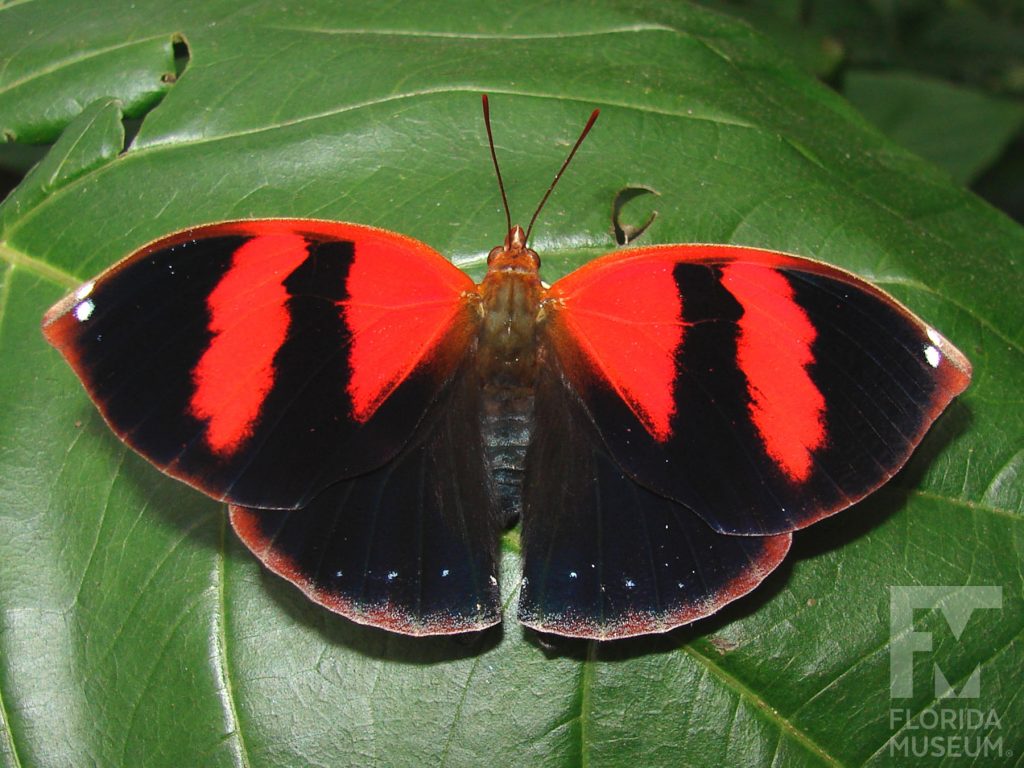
x=626, y=320
x=774, y=352
x=404, y=298
x=249, y=322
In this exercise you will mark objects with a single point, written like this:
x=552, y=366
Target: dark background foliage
x=945, y=79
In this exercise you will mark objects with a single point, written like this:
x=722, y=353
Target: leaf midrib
x=222, y=669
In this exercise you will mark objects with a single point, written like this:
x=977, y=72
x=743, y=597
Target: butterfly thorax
x=511, y=295
x=510, y=299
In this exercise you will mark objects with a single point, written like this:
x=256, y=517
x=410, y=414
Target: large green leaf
x=135, y=630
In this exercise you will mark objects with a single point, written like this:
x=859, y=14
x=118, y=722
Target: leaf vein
x=75, y=60
x=769, y=712
x=220, y=656
x=8, y=733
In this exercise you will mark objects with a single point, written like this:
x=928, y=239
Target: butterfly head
x=513, y=255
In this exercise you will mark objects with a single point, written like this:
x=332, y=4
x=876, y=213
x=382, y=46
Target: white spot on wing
x=85, y=289
x=933, y=356
x=83, y=310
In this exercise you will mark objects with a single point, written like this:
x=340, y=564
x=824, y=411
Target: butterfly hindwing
x=410, y=546
x=761, y=390
x=261, y=361
x=603, y=556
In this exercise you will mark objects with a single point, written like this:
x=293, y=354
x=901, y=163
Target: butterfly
x=660, y=421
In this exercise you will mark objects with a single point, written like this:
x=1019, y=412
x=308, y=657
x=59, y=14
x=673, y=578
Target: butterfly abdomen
x=507, y=426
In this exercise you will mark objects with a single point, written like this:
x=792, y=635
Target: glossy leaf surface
x=134, y=629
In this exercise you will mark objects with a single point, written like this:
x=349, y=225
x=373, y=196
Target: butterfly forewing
x=261, y=361
x=760, y=390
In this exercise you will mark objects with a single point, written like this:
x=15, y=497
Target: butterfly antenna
x=583, y=135
x=494, y=157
